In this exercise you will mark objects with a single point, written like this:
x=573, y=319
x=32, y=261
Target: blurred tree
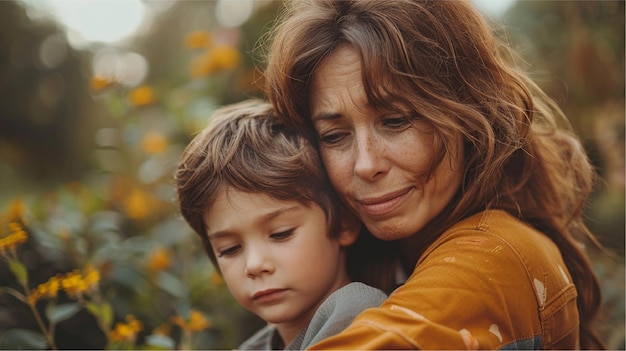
x=46, y=113
x=576, y=51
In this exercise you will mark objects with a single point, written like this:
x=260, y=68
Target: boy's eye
x=230, y=251
x=283, y=235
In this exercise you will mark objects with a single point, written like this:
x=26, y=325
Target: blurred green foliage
x=87, y=162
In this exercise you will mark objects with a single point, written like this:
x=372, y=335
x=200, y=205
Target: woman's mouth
x=382, y=205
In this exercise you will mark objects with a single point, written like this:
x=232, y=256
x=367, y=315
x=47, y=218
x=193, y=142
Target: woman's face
x=379, y=161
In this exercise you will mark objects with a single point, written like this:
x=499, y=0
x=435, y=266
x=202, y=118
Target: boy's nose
x=258, y=263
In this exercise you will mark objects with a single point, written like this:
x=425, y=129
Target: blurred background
x=99, y=98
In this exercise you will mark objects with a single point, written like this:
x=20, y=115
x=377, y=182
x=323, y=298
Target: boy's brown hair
x=245, y=147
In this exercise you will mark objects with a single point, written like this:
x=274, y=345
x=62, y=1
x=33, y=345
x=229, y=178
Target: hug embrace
x=437, y=170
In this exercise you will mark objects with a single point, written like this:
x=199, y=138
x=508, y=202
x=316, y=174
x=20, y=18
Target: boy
x=258, y=196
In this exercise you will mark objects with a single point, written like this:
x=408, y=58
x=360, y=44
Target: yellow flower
x=163, y=329
x=142, y=96
x=52, y=287
x=159, y=260
x=77, y=283
x=226, y=56
x=197, y=321
x=16, y=210
x=49, y=289
x=91, y=277
x=73, y=284
x=98, y=83
x=219, y=58
x=136, y=204
x=198, y=39
x=17, y=237
x=126, y=331
x=154, y=143
x=203, y=66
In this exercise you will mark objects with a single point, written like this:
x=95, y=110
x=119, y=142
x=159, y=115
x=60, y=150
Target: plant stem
x=40, y=323
x=42, y=326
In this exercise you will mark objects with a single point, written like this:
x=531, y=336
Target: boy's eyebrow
x=263, y=219
x=218, y=234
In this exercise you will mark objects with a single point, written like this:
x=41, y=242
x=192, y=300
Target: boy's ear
x=350, y=227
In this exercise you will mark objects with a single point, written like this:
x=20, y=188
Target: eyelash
x=229, y=251
x=397, y=122
x=280, y=236
x=331, y=138
x=394, y=123
x=283, y=235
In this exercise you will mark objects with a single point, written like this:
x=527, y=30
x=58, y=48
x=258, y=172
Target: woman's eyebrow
x=325, y=116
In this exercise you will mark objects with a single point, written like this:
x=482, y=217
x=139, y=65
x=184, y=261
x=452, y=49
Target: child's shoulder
x=260, y=340
x=339, y=309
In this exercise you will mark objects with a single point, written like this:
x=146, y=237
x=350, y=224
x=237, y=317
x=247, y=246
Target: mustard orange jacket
x=489, y=282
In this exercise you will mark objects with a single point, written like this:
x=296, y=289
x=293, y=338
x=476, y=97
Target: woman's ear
x=350, y=227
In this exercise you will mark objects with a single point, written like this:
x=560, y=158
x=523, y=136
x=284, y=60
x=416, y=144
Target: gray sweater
x=333, y=316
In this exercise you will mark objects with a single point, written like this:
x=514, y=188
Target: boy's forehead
x=233, y=207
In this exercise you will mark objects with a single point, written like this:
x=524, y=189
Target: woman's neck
x=409, y=250
x=414, y=246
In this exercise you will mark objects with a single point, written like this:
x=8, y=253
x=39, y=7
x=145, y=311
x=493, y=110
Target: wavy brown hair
x=444, y=61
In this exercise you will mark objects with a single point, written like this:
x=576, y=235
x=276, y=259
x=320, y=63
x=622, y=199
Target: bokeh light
x=233, y=13
x=126, y=68
x=105, y=21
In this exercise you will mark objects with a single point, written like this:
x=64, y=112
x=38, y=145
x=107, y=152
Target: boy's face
x=276, y=256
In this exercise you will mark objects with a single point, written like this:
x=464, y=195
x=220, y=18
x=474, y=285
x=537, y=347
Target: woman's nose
x=369, y=161
x=258, y=262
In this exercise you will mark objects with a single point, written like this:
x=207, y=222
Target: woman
x=436, y=140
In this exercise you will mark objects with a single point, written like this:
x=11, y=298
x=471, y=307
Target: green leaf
x=58, y=313
x=172, y=284
x=16, y=339
x=19, y=271
x=18, y=295
x=160, y=342
x=102, y=312
x=107, y=314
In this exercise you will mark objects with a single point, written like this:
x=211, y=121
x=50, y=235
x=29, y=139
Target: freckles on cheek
x=336, y=173
x=340, y=182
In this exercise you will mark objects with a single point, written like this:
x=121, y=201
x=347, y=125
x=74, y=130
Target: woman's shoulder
x=494, y=268
x=500, y=228
x=498, y=245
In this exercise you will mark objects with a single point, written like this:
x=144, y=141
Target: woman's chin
x=390, y=229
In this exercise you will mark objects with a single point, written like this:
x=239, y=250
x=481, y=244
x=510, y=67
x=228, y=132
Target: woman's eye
x=230, y=251
x=332, y=138
x=282, y=235
x=397, y=122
